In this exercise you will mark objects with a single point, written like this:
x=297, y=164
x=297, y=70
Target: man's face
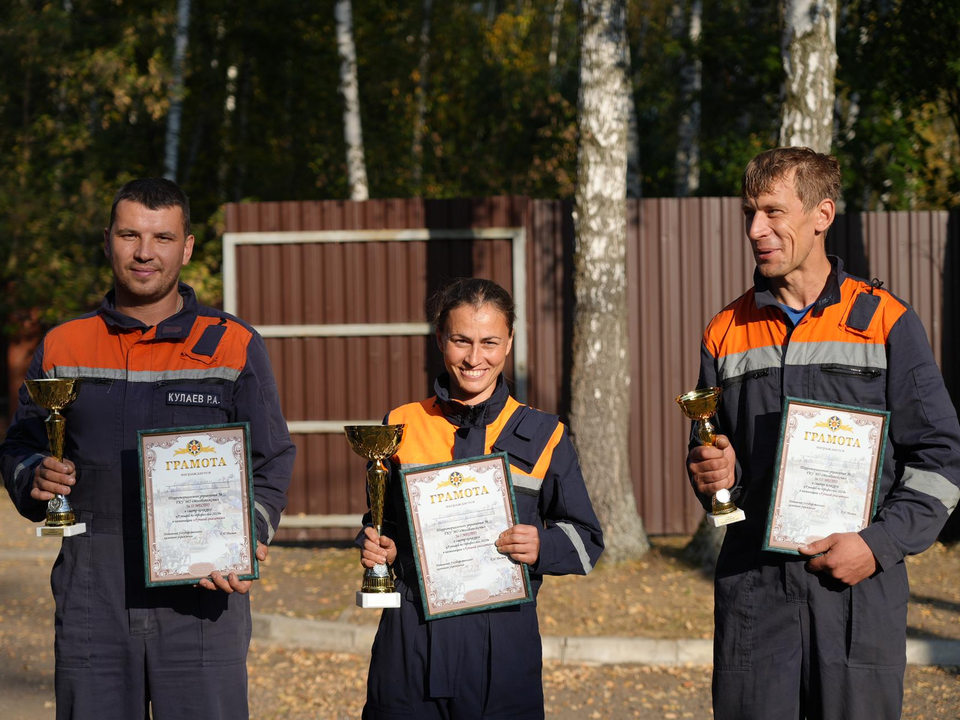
x=786, y=240
x=146, y=249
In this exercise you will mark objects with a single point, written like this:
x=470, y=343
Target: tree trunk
x=421, y=97
x=175, y=115
x=352, y=129
x=555, y=35
x=809, y=51
x=600, y=404
x=687, y=165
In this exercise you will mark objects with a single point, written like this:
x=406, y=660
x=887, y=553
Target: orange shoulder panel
x=540, y=469
x=89, y=343
x=832, y=325
x=742, y=326
x=428, y=436
x=496, y=427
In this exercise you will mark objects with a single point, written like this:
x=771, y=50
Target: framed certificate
x=456, y=510
x=828, y=467
x=196, y=495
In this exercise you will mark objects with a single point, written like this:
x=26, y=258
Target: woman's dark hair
x=470, y=291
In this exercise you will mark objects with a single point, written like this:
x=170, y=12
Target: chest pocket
x=850, y=384
x=186, y=403
x=93, y=424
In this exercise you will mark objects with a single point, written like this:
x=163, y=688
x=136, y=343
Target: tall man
x=821, y=636
x=150, y=357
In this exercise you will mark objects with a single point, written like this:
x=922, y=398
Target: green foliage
x=84, y=103
x=899, y=91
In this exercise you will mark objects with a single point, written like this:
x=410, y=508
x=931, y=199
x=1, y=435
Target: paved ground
x=296, y=684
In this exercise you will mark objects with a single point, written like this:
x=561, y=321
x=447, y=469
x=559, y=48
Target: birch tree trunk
x=687, y=166
x=175, y=115
x=600, y=404
x=809, y=51
x=555, y=35
x=349, y=88
x=421, y=98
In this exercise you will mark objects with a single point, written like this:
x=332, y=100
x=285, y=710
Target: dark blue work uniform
x=484, y=665
x=791, y=643
x=119, y=645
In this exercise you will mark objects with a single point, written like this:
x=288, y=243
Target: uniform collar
x=479, y=415
x=175, y=327
x=764, y=297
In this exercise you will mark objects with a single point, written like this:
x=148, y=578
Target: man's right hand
x=712, y=467
x=53, y=477
x=377, y=549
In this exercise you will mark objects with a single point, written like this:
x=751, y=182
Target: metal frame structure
x=517, y=236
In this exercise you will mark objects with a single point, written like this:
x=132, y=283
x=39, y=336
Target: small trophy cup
x=376, y=443
x=701, y=405
x=54, y=394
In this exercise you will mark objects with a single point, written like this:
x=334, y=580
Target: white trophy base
x=62, y=530
x=368, y=601
x=727, y=518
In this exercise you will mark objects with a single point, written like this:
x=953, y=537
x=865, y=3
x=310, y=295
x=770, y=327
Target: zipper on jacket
x=834, y=369
x=783, y=359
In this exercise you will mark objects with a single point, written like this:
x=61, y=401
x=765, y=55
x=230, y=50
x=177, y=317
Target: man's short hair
x=817, y=175
x=153, y=194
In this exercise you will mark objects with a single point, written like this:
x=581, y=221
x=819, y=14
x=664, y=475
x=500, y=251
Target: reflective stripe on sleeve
x=524, y=483
x=577, y=543
x=266, y=516
x=28, y=461
x=932, y=484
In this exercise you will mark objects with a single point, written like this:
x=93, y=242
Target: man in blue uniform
x=820, y=636
x=150, y=357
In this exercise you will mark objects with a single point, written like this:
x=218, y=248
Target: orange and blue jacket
x=858, y=345
x=200, y=366
x=548, y=486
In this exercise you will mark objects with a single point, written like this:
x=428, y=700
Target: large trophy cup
x=54, y=394
x=701, y=405
x=376, y=443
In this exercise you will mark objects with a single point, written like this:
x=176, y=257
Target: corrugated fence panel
x=335, y=283
x=686, y=259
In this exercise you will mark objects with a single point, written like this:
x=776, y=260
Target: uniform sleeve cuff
x=547, y=551
x=881, y=545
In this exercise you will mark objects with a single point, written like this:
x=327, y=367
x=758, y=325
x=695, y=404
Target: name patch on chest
x=210, y=398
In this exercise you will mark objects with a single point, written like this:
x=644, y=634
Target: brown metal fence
x=340, y=287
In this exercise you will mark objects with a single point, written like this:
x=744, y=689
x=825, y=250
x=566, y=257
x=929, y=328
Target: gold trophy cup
x=701, y=405
x=376, y=443
x=54, y=394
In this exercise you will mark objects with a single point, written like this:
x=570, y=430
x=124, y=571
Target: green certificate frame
x=827, y=473
x=196, y=503
x=455, y=510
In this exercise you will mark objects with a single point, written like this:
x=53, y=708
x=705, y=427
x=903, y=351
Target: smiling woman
x=489, y=662
x=475, y=335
